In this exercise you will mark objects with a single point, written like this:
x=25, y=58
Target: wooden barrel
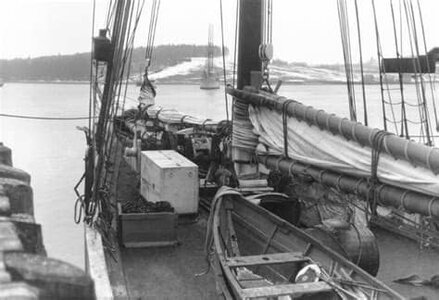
x=360, y=244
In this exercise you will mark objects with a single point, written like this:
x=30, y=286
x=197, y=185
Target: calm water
x=52, y=151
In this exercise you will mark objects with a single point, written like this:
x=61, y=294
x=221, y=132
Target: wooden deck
x=401, y=257
x=169, y=272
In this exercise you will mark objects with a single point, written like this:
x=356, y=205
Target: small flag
x=147, y=91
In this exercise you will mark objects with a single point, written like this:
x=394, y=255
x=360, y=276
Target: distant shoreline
x=79, y=82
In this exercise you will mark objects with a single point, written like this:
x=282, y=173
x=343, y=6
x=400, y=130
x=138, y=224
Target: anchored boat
x=209, y=80
x=278, y=201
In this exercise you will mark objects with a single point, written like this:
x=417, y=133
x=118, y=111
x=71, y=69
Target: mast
x=210, y=51
x=248, y=73
x=250, y=37
x=209, y=79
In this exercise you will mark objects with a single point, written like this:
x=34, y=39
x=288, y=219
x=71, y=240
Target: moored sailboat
x=209, y=80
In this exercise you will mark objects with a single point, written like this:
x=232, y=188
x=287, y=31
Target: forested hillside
x=76, y=67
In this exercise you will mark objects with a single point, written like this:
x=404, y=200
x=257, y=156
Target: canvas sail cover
x=311, y=145
x=173, y=116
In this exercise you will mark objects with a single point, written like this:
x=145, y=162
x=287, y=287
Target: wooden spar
x=248, y=73
x=249, y=40
x=399, y=148
x=386, y=194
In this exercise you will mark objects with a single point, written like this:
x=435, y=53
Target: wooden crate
x=168, y=176
x=147, y=229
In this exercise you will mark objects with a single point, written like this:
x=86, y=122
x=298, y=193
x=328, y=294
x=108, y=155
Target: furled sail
x=173, y=116
x=311, y=145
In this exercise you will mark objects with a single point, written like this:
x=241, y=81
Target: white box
x=168, y=176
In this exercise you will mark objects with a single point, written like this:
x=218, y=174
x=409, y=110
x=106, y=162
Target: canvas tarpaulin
x=311, y=145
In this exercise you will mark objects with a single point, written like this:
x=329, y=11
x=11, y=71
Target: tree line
x=76, y=67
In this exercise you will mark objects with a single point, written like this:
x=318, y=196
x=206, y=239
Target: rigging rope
x=431, y=81
x=152, y=30
x=404, y=126
x=266, y=47
x=382, y=71
x=126, y=62
x=285, y=124
x=345, y=38
x=419, y=82
x=103, y=135
x=235, y=52
x=360, y=49
x=44, y=117
x=424, y=98
x=147, y=91
x=224, y=61
x=91, y=67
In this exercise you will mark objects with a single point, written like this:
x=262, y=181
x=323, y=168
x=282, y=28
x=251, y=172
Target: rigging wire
x=91, y=66
x=431, y=80
x=118, y=71
x=416, y=66
x=360, y=49
x=404, y=125
x=224, y=61
x=110, y=16
x=126, y=62
x=377, y=36
x=382, y=71
x=152, y=31
x=235, y=53
x=345, y=38
x=100, y=191
x=131, y=43
x=423, y=94
x=266, y=46
x=147, y=91
x=44, y=117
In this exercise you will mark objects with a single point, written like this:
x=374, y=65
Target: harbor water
x=52, y=151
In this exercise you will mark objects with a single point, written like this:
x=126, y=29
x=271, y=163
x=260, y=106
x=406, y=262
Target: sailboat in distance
x=209, y=79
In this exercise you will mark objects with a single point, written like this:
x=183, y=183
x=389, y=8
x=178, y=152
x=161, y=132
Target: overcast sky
x=303, y=30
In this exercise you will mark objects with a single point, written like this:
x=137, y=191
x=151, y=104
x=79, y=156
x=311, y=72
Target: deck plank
x=169, y=272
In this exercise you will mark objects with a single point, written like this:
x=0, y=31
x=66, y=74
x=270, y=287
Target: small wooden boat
x=258, y=255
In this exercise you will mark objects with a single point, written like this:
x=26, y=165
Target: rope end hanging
x=147, y=92
x=285, y=124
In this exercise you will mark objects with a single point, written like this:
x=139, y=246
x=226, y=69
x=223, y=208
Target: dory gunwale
x=229, y=279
